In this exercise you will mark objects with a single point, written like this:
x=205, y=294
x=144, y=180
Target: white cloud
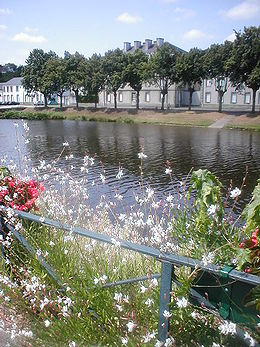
x=170, y=1
x=23, y=37
x=31, y=30
x=246, y=10
x=3, y=27
x=5, y=11
x=231, y=37
x=184, y=12
x=195, y=34
x=128, y=19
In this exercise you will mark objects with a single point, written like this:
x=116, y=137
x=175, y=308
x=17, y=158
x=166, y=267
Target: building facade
x=205, y=96
x=13, y=91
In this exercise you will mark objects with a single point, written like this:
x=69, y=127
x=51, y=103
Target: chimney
x=127, y=46
x=148, y=44
x=137, y=44
x=159, y=41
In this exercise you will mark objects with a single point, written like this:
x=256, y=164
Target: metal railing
x=168, y=262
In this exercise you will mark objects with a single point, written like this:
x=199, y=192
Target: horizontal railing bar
x=146, y=250
x=131, y=280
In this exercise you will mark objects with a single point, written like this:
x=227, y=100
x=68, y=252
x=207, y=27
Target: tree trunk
x=220, y=98
x=45, y=101
x=163, y=99
x=253, y=101
x=76, y=91
x=190, y=99
x=115, y=100
x=61, y=94
x=137, y=99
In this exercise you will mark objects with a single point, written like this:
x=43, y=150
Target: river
x=224, y=152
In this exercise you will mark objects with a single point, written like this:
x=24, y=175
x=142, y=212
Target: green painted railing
x=226, y=281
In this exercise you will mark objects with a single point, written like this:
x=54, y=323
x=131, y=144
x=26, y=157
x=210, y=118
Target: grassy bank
x=177, y=118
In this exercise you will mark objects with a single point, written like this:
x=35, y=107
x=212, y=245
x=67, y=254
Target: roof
x=153, y=48
x=16, y=81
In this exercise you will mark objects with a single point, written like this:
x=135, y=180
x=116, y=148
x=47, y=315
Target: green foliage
x=190, y=70
x=251, y=212
x=161, y=70
x=34, y=71
x=4, y=172
x=114, y=65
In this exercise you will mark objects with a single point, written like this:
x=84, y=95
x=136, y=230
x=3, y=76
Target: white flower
x=154, y=282
x=47, y=323
x=212, y=209
x=120, y=174
x=182, y=303
x=52, y=243
x=72, y=344
x=119, y=308
x=141, y=155
x=124, y=340
x=143, y=289
x=227, y=328
x=96, y=280
x=149, y=302
x=167, y=314
x=208, y=258
x=251, y=340
x=103, y=279
x=103, y=178
x=65, y=144
x=168, y=171
x=169, y=342
x=118, y=297
x=235, y=193
x=130, y=325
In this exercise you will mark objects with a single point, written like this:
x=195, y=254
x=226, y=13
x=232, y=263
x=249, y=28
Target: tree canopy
x=190, y=70
x=161, y=70
x=244, y=63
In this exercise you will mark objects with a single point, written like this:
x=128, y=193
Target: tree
x=95, y=77
x=135, y=72
x=114, y=65
x=244, y=62
x=161, y=69
x=33, y=73
x=215, y=60
x=55, y=75
x=76, y=73
x=190, y=70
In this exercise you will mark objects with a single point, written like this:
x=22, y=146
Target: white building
x=13, y=91
x=205, y=96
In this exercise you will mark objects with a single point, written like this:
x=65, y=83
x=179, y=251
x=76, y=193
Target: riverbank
x=173, y=118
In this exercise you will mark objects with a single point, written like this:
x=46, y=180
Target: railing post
x=164, y=300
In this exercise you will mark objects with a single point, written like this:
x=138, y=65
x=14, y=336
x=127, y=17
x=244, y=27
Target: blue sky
x=95, y=26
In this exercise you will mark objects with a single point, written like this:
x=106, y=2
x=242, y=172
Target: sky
x=96, y=26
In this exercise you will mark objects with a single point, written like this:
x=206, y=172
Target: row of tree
x=237, y=62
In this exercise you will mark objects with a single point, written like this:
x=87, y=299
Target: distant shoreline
x=238, y=120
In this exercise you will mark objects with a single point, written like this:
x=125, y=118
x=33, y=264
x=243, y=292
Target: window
x=208, y=97
x=147, y=97
x=120, y=97
x=17, y=88
x=247, y=98
x=17, y=98
x=108, y=97
x=7, y=89
x=208, y=83
x=133, y=97
x=233, y=98
x=11, y=89
x=4, y=89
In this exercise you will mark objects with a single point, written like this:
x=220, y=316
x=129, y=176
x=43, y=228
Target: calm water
x=225, y=152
